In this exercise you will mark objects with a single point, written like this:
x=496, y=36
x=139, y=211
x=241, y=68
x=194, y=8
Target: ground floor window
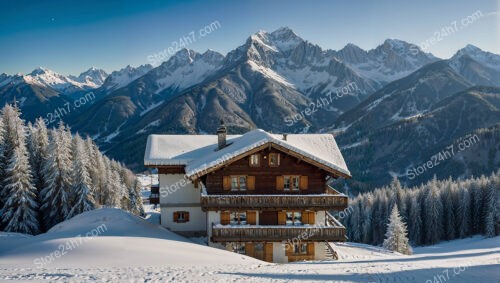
x=300, y=249
x=238, y=248
x=181, y=216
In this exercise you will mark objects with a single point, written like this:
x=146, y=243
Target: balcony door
x=268, y=218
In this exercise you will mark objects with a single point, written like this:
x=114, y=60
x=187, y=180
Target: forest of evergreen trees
x=50, y=175
x=433, y=212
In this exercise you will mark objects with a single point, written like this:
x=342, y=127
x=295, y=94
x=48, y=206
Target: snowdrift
x=108, y=237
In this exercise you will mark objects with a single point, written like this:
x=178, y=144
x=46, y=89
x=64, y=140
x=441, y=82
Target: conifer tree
x=396, y=238
x=433, y=219
x=19, y=211
x=82, y=184
x=57, y=191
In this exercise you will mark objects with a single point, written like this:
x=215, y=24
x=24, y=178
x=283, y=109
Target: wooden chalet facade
x=258, y=194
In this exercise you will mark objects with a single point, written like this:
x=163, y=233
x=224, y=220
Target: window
x=293, y=218
x=295, y=183
x=238, y=218
x=181, y=216
x=238, y=183
x=238, y=248
x=286, y=183
x=259, y=247
x=255, y=160
x=274, y=159
x=291, y=183
x=300, y=249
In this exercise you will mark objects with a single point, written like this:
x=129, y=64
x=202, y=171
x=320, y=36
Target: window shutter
x=279, y=183
x=249, y=249
x=268, y=252
x=288, y=248
x=186, y=216
x=303, y=182
x=305, y=217
x=312, y=216
x=176, y=216
x=252, y=217
x=224, y=217
x=251, y=183
x=310, y=249
x=226, y=183
x=281, y=218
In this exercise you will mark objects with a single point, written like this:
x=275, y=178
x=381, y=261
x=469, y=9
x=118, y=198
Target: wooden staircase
x=330, y=253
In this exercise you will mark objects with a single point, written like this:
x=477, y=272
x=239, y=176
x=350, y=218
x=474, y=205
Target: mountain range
x=404, y=108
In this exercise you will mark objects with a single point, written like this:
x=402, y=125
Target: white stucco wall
x=279, y=253
x=175, y=190
x=178, y=195
x=319, y=251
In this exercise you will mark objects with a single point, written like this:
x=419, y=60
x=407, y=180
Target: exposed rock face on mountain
x=479, y=67
x=390, y=108
x=93, y=77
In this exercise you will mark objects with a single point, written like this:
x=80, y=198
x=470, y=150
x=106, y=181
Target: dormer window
x=274, y=159
x=255, y=160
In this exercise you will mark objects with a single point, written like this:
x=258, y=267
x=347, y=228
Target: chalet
x=261, y=194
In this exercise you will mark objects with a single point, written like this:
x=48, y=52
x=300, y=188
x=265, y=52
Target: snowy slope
x=132, y=250
x=125, y=240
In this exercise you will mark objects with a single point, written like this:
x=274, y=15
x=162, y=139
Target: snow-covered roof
x=198, y=153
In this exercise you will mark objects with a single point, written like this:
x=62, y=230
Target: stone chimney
x=221, y=135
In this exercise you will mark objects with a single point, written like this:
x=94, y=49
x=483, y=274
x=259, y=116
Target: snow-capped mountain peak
x=45, y=77
x=124, y=76
x=93, y=77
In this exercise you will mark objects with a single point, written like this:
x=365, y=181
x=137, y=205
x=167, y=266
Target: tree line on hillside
x=50, y=175
x=433, y=212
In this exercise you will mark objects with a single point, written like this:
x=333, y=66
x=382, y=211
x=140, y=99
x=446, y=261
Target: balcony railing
x=326, y=201
x=226, y=233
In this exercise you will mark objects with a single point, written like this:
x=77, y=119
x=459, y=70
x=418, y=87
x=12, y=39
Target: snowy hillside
x=127, y=248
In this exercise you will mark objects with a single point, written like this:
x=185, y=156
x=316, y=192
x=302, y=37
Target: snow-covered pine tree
x=56, y=193
x=396, y=194
x=496, y=185
x=38, y=143
x=20, y=210
x=489, y=211
x=396, y=238
x=415, y=225
x=3, y=164
x=82, y=184
x=355, y=220
x=448, y=213
x=366, y=226
x=97, y=171
x=378, y=204
x=477, y=202
x=433, y=216
x=463, y=213
x=136, y=199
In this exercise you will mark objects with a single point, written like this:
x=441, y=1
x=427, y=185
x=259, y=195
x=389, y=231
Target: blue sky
x=71, y=36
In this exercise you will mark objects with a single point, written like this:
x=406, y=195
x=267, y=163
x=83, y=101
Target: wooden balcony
x=251, y=233
x=331, y=200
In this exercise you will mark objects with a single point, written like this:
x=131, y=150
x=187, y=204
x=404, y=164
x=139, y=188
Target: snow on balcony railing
x=311, y=201
x=221, y=233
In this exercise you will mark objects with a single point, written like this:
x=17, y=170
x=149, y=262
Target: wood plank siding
x=265, y=178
